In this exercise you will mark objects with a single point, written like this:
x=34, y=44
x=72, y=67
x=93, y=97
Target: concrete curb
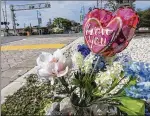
x=19, y=82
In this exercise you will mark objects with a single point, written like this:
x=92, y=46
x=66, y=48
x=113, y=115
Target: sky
x=66, y=9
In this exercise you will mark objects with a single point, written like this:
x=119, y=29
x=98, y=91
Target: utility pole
x=3, y=14
x=4, y=20
x=82, y=14
x=13, y=19
x=38, y=22
x=6, y=26
x=30, y=28
x=5, y=11
x=97, y=4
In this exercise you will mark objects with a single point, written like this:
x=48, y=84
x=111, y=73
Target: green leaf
x=122, y=74
x=114, y=84
x=76, y=82
x=96, y=92
x=132, y=106
x=128, y=111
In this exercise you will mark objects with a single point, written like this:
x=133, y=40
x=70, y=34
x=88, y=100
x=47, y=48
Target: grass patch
x=31, y=99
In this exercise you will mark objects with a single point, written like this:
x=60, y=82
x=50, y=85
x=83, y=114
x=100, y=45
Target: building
x=35, y=31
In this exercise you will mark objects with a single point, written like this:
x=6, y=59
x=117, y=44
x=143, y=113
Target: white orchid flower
x=51, y=66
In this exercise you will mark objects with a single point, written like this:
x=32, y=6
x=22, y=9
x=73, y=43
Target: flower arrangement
x=93, y=82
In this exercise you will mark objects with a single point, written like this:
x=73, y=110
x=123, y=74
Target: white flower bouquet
x=97, y=85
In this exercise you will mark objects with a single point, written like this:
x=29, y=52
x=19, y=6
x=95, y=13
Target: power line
x=5, y=11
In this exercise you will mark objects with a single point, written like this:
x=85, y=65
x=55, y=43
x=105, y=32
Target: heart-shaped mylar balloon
x=109, y=33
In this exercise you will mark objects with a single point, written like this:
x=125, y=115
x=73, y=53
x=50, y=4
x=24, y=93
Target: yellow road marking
x=28, y=47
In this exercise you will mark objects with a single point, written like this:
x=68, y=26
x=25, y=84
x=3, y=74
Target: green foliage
x=131, y=106
x=31, y=99
x=62, y=23
x=86, y=86
x=144, y=17
x=28, y=29
x=86, y=93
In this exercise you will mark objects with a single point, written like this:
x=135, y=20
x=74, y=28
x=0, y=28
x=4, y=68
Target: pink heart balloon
x=107, y=33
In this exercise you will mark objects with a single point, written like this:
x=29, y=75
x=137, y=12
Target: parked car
x=57, y=30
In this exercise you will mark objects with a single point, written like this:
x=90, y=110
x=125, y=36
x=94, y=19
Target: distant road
x=8, y=39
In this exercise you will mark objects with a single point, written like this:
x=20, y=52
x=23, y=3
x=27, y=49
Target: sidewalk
x=15, y=63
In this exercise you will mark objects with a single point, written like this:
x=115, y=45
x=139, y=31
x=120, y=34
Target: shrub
x=31, y=99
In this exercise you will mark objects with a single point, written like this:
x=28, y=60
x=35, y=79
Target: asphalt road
x=8, y=39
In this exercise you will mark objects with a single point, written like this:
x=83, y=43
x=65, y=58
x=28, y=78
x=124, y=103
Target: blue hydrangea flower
x=84, y=50
x=137, y=91
x=101, y=63
x=142, y=88
x=139, y=69
x=124, y=59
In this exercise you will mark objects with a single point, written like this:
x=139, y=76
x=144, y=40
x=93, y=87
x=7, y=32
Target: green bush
x=31, y=99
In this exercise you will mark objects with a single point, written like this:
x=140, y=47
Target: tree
x=74, y=23
x=62, y=23
x=29, y=29
x=144, y=16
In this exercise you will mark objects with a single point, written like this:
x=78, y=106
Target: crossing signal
x=17, y=24
x=5, y=23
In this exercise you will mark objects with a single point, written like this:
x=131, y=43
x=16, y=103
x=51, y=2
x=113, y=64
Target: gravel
x=138, y=48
